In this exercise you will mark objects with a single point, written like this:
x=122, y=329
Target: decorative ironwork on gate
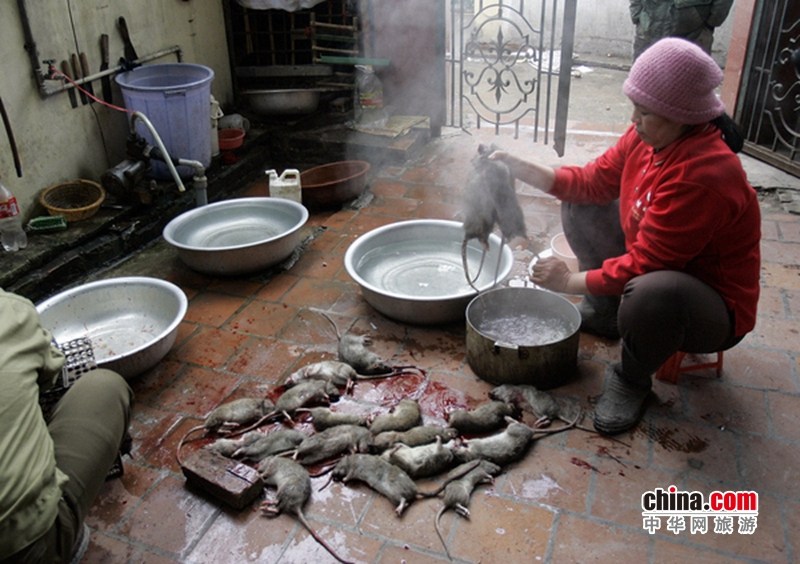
x=505, y=70
x=769, y=109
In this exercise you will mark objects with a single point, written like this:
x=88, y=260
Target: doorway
x=509, y=65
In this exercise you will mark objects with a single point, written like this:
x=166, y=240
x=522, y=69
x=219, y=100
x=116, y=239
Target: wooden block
x=229, y=481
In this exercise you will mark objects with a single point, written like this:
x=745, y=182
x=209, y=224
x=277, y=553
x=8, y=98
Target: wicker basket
x=76, y=200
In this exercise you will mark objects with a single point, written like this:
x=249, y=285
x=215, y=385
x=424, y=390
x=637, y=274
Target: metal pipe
x=49, y=91
x=199, y=180
x=172, y=170
x=30, y=46
x=41, y=75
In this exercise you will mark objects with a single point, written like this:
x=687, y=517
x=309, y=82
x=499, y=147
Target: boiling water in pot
x=525, y=331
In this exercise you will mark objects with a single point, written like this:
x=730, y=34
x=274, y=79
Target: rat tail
x=465, y=265
x=320, y=540
x=438, y=530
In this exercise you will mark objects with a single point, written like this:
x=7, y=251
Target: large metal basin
x=412, y=271
x=237, y=236
x=132, y=321
x=523, y=336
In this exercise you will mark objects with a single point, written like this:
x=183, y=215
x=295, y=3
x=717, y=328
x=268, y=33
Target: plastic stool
x=670, y=370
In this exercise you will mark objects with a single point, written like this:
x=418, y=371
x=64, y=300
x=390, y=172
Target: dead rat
x=501, y=448
x=269, y=444
x=507, y=446
x=478, y=213
x=422, y=461
x=333, y=442
x=233, y=413
x=541, y=404
x=405, y=415
x=510, y=218
x=305, y=393
x=226, y=446
x=324, y=418
x=237, y=412
x=353, y=350
x=416, y=436
x=485, y=418
x=489, y=199
x=389, y=480
x=457, y=493
x=337, y=372
x=382, y=476
x=293, y=489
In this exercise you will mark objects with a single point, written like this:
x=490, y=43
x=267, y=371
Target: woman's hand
x=538, y=176
x=551, y=273
x=498, y=155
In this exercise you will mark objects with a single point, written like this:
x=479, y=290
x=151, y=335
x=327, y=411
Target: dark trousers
x=87, y=427
x=660, y=312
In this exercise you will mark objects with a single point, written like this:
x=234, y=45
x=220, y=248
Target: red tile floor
x=575, y=497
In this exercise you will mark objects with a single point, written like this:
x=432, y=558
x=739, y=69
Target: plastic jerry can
x=286, y=186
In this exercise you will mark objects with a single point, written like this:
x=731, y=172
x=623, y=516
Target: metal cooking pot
x=523, y=336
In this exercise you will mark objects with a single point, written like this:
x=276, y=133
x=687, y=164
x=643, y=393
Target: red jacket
x=688, y=207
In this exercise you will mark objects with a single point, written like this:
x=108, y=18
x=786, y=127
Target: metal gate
x=769, y=103
x=507, y=69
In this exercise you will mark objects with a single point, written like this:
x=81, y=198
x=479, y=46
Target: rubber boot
x=622, y=403
x=599, y=316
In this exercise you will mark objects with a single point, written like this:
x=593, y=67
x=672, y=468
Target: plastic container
x=368, y=103
x=175, y=98
x=216, y=114
x=563, y=251
x=286, y=186
x=12, y=234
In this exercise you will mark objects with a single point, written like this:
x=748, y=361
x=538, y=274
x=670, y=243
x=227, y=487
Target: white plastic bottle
x=11, y=232
x=368, y=103
x=286, y=186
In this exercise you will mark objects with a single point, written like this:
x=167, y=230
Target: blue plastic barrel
x=176, y=98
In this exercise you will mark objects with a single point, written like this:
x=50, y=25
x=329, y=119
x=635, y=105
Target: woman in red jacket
x=665, y=226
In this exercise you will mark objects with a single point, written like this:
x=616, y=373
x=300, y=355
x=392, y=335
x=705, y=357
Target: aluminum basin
x=132, y=322
x=237, y=236
x=411, y=271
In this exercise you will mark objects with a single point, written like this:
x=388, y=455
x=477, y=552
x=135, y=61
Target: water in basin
x=423, y=269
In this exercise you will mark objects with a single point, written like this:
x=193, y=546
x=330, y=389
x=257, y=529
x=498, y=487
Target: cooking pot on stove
x=523, y=336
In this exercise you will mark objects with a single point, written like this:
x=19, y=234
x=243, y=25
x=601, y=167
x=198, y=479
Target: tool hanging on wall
x=73, y=97
x=130, y=52
x=106, y=80
x=77, y=75
x=86, y=72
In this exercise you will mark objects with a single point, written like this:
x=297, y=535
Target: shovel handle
x=73, y=100
x=104, y=58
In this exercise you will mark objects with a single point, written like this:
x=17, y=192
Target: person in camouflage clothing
x=694, y=20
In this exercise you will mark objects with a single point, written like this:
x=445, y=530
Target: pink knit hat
x=675, y=79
